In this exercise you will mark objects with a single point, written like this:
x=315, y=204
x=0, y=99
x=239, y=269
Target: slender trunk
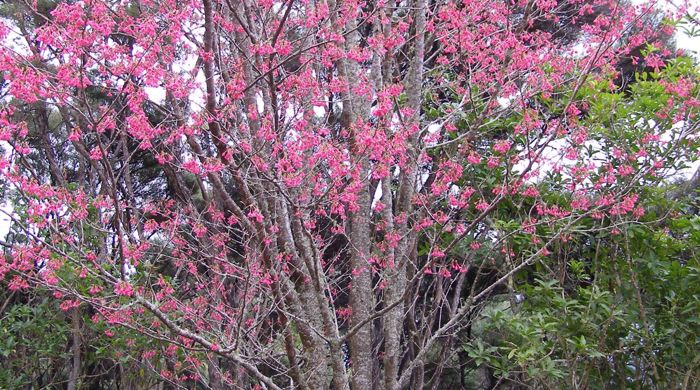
x=361, y=294
x=74, y=375
x=51, y=158
x=361, y=300
x=397, y=277
x=215, y=382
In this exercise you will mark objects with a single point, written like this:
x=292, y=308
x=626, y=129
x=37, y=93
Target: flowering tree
x=324, y=194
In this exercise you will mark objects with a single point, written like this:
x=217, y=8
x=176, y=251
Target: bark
x=396, y=277
x=361, y=300
x=361, y=295
x=74, y=375
x=209, y=79
x=51, y=157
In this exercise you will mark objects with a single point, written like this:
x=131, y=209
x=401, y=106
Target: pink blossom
x=473, y=158
x=502, y=146
x=124, y=288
